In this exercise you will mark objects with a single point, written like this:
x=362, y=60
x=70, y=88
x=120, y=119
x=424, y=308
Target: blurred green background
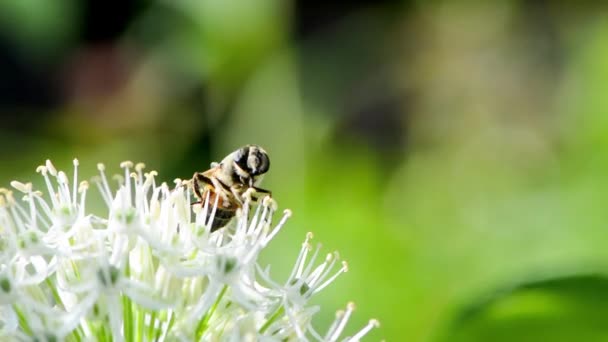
x=454, y=152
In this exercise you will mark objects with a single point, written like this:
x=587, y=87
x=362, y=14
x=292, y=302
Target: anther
x=126, y=164
x=84, y=185
x=51, y=169
x=139, y=167
x=62, y=178
x=25, y=188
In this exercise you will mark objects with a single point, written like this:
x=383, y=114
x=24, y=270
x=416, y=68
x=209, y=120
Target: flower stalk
x=149, y=269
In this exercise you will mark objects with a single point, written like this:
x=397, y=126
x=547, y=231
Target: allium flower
x=149, y=269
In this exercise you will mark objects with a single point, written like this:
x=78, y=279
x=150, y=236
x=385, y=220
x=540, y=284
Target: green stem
x=203, y=324
x=76, y=333
x=127, y=314
x=127, y=308
x=54, y=292
x=139, y=323
x=23, y=321
x=75, y=268
x=159, y=332
x=150, y=333
x=103, y=333
x=278, y=313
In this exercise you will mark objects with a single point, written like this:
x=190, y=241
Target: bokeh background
x=454, y=152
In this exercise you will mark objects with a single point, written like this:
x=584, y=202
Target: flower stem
x=159, y=332
x=54, y=292
x=203, y=323
x=75, y=268
x=127, y=309
x=278, y=313
x=22, y=321
x=103, y=333
x=139, y=323
x=150, y=333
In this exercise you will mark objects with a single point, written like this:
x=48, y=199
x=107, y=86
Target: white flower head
x=150, y=268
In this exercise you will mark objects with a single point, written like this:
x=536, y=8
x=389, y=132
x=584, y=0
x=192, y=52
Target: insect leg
x=199, y=177
x=254, y=192
x=236, y=195
x=262, y=191
x=217, y=185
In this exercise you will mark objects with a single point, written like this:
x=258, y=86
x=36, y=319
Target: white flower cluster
x=149, y=269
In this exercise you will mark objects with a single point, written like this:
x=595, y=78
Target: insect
x=228, y=181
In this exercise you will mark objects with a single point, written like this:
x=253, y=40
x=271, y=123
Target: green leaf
x=572, y=308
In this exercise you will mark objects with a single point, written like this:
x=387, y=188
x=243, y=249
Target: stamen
x=310, y=263
x=9, y=197
x=334, y=324
x=270, y=202
x=104, y=186
x=127, y=165
x=332, y=278
x=84, y=185
x=350, y=307
x=139, y=167
x=373, y=323
x=64, y=191
x=153, y=174
x=297, y=265
x=309, y=236
x=254, y=219
x=33, y=211
x=202, y=214
x=266, y=211
x=50, y=168
x=98, y=182
x=75, y=183
x=147, y=181
x=321, y=270
x=45, y=208
x=177, y=182
x=25, y=188
x=82, y=189
x=212, y=216
x=17, y=213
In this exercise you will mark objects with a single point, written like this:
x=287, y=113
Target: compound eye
x=241, y=158
x=258, y=162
